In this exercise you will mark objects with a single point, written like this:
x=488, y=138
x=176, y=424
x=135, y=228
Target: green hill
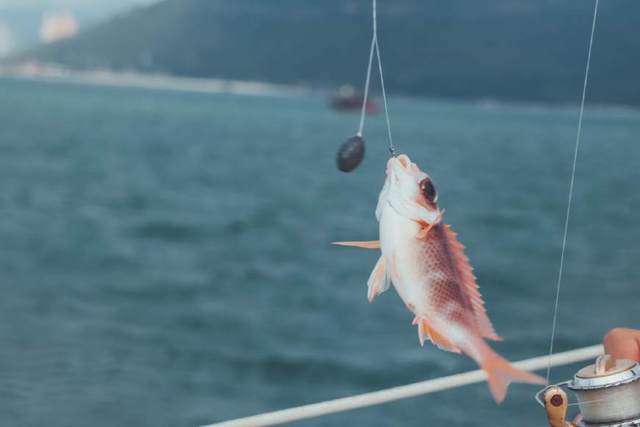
x=530, y=50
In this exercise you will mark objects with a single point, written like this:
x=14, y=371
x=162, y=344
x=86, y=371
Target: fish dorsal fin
x=468, y=281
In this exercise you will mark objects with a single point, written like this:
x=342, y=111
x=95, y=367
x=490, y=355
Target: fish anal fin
x=469, y=285
x=438, y=339
x=372, y=244
x=378, y=280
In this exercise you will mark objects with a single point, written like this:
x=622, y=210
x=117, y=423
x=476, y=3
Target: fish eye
x=429, y=190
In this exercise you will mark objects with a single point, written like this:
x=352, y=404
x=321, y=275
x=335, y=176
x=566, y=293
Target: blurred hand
x=623, y=343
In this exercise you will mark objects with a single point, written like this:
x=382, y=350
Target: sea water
x=165, y=257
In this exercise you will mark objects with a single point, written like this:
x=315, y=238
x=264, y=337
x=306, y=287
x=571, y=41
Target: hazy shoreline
x=134, y=79
x=52, y=73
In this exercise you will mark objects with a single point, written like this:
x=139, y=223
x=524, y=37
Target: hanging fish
x=425, y=262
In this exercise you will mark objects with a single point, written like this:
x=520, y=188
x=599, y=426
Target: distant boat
x=347, y=99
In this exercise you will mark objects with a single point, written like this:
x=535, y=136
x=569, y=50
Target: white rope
x=571, y=186
x=404, y=392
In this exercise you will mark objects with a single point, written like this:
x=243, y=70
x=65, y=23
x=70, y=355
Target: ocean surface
x=165, y=256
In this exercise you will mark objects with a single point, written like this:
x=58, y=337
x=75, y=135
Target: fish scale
x=444, y=288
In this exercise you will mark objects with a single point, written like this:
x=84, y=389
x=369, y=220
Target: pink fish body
x=425, y=262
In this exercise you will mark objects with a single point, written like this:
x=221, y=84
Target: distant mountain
x=530, y=50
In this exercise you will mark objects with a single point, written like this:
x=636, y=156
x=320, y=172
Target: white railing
x=404, y=392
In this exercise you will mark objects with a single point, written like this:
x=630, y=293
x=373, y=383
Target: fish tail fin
x=500, y=373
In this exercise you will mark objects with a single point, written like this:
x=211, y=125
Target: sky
x=27, y=22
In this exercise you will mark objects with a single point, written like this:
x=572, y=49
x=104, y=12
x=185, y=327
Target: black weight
x=350, y=154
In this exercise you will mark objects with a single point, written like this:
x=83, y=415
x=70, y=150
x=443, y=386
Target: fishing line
x=352, y=151
x=375, y=46
x=571, y=185
x=586, y=402
x=392, y=149
x=363, y=113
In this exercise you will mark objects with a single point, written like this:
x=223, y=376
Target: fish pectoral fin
x=379, y=280
x=371, y=244
x=426, y=227
x=424, y=231
x=425, y=331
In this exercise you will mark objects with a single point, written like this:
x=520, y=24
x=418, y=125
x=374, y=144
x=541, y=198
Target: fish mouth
x=399, y=164
x=398, y=177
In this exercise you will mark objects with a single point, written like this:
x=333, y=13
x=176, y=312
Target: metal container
x=608, y=393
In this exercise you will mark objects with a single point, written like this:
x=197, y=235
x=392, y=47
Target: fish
x=423, y=259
